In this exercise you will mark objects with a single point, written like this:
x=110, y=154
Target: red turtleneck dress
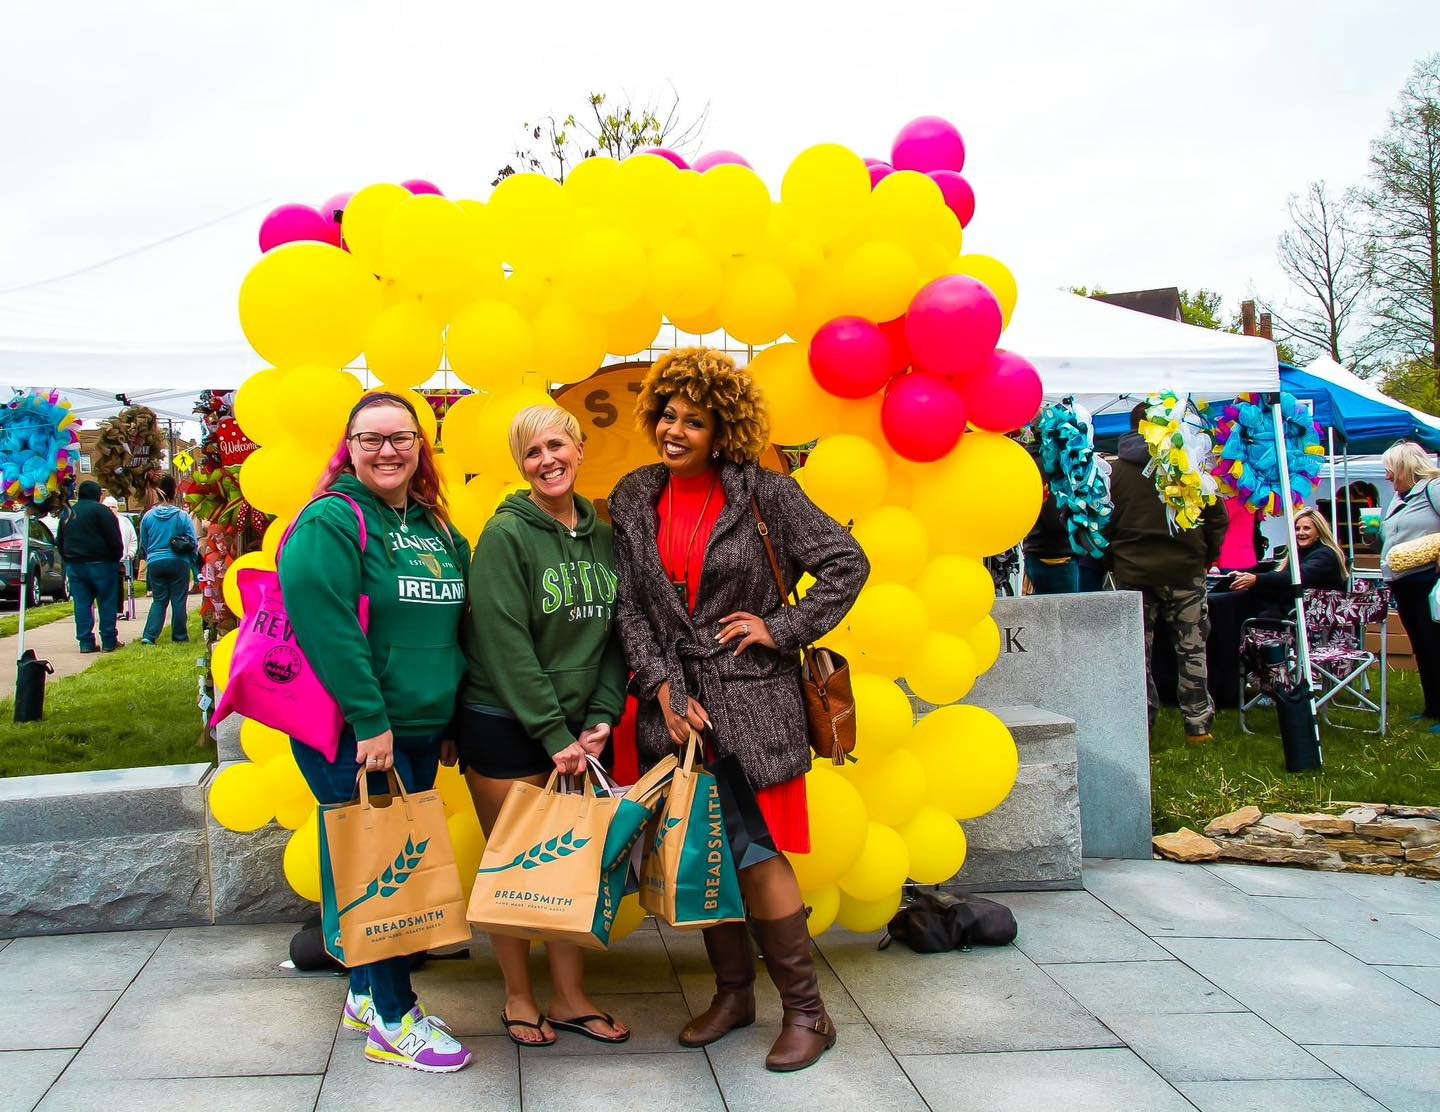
x=688, y=509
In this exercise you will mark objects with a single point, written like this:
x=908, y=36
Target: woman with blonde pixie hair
x=545, y=679
x=1412, y=514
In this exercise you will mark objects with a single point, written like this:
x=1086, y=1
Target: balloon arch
x=874, y=338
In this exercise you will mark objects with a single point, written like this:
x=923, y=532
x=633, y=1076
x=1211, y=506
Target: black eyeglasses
x=373, y=441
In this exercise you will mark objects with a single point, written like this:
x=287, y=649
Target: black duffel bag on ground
x=933, y=922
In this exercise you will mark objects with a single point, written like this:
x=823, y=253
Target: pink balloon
x=420, y=185
x=923, y=416
x=291, y=223
x=335, y=204
x=926, y=144
x=953, y=326
x=876, y=162
x=879, y=172
x=1005, y=395
x=668, y=155
x=958, y=194
x=719, y=158
x=850, y=357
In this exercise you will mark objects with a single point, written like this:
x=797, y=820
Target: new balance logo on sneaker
x=419, y=1043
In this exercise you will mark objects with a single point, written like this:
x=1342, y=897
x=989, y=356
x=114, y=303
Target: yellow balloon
x=970, y=760
x=489, y=341
x=604, y=272
x=302, y=859
x=631, y=330
x=283, y=779
x=364, y=222
x=534, y=222
x=881, y=867
x=651, y=198
x=883, y=715
x=569, y=344
x=292, y=813
x=868, y=916
x=941, y=669
x=908, y=208
x=700, y=325
x=984, y=640
x=891, y=784
x=958, y=590
x=238, y=798
x=887, y=619
x=628, y=917
x=823, y=904
x=274, y=533
x=861, y=417
x=318, y=401
x=895, y=542
x=462, y=439
x=984, y=497
x=468, y=842
x=877, y=279
x=837, y=829
x=308, y=303
x=493, y=427
x=845, y=476
x=758, y=301
x=425, y=240
x=280, y=479
x=995, y=274
x=592, y=184
x=799, y=410
x=474, y=504
x=824, y=192
x=816, y=303
x=260, y=742
x=685, y=279
x=936, y=843
x=732, y=209
x=221, y=655
x=260, y=561
x=403, y=346
x=260, y=406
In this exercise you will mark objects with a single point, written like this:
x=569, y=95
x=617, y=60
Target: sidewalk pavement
x=1159, y=987
x=56, y=643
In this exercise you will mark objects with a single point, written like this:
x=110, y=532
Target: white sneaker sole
x=382, y=1058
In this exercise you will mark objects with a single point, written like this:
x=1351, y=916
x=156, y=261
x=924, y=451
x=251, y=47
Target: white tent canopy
x=1099, y=353
x=1332, y=372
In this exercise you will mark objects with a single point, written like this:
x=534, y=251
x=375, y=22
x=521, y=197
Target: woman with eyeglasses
x=395, y=682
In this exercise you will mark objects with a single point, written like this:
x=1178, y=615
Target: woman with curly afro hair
x=714, y=648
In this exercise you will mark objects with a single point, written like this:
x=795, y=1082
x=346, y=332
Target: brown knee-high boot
x=733, y=959
x=806, y=1031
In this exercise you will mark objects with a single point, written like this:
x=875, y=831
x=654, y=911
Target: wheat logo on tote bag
x=388, y=884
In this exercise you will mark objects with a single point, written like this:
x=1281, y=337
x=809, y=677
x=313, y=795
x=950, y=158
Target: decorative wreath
x=1077, y=477
x=1180, y=445
x=128, y=452
x=38, y=449
x=1249, y=465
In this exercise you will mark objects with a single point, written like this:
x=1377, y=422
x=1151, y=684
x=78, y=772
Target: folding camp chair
x=1340, y=665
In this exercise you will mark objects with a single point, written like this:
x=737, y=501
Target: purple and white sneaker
x=359, y=1011
x=421, y=1042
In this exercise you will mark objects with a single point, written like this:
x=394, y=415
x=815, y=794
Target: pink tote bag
x=270, y=679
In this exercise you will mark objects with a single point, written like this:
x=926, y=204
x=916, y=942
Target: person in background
x=1049, y=560
x=395, y=682
x=129, y=540
x=1414, y=513
x=545, y=681
x=1167, y=567
x=92, y=549
x=1322, y=568
x=168, y=540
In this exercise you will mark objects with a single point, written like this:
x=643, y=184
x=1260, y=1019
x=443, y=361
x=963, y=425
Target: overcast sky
x=1127, y=145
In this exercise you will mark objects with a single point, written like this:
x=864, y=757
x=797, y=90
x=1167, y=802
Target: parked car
x=46, y=573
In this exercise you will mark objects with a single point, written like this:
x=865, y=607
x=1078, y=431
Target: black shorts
x=497, y=746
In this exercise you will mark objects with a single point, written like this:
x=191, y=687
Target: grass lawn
x=35, y=617
x=131, y=708
x=1190, y=785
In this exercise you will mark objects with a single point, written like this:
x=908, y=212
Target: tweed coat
x=753, y=700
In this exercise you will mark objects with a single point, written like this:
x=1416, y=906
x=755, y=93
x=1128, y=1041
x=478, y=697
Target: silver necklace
x=574, y=515
x=400, y=516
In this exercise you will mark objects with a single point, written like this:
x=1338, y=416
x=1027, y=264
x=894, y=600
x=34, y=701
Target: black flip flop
x=510, y=1023
x=577, y=1026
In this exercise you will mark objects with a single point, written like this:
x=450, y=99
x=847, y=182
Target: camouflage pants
x=1186, y=612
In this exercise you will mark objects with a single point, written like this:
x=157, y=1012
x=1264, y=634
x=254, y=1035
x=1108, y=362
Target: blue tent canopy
x=1363, y=425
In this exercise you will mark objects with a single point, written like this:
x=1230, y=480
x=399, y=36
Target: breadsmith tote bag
x=689, y=877
x=388, y=884
x=270, y=679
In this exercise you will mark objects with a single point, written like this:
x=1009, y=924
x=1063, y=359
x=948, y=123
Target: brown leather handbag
x=824, y=677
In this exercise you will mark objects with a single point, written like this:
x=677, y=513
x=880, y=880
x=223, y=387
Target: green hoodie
x=404, y=675
x=541, y=642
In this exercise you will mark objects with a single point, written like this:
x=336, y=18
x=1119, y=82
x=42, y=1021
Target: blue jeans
x=417, y=759
x=1053, y=579
x=92, y=583
x=169, y=583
